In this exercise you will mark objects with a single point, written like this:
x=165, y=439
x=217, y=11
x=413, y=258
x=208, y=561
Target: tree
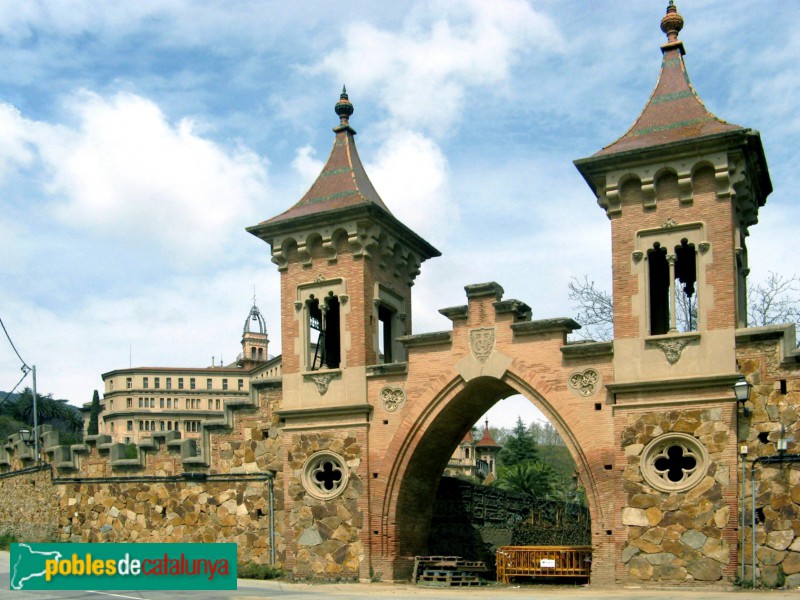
x=519, y=446
x=64, y=418
x=94, y=415
x=528, y=477
x=595, y=309
x=775, y=301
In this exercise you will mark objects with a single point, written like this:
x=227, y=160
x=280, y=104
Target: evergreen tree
x=519, y=446
x=94, y=415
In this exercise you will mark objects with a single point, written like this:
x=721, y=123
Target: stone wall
x=767, y=356
x=679, y=536
x=326, y=531
x=29, y=505
x=175, y=490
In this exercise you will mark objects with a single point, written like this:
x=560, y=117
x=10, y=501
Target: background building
x=139, y=401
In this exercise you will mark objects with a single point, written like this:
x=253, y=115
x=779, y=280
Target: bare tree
x=595, y=309
x=775, y=301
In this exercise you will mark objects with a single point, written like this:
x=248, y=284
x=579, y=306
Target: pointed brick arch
x=419, y=452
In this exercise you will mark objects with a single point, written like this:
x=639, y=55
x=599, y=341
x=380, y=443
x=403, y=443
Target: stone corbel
x=685, y=186
x=613, y=203
x=637, y=256
x=344, y=298
x=723, y=179
x=279, y=258
x=298, y=306
x=304, y=254
x=704, y=247
x=648, y=193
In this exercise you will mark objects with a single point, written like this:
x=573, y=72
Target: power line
x=8, y=337
x=8, y=395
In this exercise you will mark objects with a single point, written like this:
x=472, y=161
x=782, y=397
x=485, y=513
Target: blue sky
x=138, y=140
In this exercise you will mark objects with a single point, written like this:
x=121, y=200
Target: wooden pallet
x=448, y=578
x=447, y=571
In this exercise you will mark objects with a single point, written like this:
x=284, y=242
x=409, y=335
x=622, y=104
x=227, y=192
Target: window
x=111, y=427
x=260, y=354
x=111, y=384
x=385, y=335
x=145, y=382
x=141, y=425
x=152, y=425
x=224, y=384
x=323, y=329
x=161, y=403
x=240, y=384
x=325, y=475
x=176, y=426
x=169, y=402
x=169, y=383
x=169, y=425
x=128, y=440
x=217, y=403
x=180, y=383
x=208, y=383
x=672, y=279
x=210, y=404
x=128, y=382
x=157, y=382
x=161, y=425
x=191, y=383
x=129, y=403
x=110, y=405
x=141, y=402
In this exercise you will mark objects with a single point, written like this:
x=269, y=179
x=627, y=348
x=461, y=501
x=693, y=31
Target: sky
x=139, y=139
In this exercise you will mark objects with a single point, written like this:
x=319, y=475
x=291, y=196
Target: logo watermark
x=123, y=567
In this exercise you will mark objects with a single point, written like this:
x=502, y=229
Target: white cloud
x=15, y=149
x=306, y=165
x=422, y=72
x=125, y=171
x=410, y=174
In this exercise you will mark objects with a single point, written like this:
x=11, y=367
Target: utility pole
x=35, y=418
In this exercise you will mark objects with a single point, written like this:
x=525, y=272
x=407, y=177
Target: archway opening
x=433, y=457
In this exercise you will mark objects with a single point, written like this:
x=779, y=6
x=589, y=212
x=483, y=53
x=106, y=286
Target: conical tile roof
x=674, y=112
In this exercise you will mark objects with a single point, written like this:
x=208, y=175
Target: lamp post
x=35, y=418
x=742, y=391
x=25, y=436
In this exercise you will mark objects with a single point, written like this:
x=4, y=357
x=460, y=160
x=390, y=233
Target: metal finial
x=672, y=22
x=344, y=108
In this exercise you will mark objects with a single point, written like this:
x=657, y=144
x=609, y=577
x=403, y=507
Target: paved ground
x=252, y=590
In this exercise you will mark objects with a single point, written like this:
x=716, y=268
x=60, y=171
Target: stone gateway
x=328, y=471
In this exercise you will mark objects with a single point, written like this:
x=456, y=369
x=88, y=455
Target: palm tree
x=534, y=479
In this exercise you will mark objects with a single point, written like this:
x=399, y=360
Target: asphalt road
x=258, y=590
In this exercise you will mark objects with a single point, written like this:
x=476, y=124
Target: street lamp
x=26, y=435
x=742, y=390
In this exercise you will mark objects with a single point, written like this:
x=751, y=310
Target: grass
x=6, y=540
x=251, y=570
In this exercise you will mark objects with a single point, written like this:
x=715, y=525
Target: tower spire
x=672, y=23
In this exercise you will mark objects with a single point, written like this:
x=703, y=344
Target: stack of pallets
x=446, y=571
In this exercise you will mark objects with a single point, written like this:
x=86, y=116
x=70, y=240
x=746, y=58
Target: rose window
x=674, y=462
x=325, y=475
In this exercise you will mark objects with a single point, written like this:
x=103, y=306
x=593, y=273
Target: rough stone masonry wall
x=29, y=506
x=774, y=414
x=678, y=536
x=158, y=505
x=327, y=533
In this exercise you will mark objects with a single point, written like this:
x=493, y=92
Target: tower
x=255, y=341
x=347, y=266
x=681, y=188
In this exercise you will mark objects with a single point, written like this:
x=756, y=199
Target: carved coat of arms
x=481, y=342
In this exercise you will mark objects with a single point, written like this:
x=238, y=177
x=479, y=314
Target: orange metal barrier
x=543, y=561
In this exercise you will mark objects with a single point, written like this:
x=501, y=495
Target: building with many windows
x=139, y=401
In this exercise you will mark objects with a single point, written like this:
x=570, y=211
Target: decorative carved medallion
x=392, y=398
x=672, y=349
x=669, y=223
x=322, y=382
x=584, y=383
x=481, y=342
